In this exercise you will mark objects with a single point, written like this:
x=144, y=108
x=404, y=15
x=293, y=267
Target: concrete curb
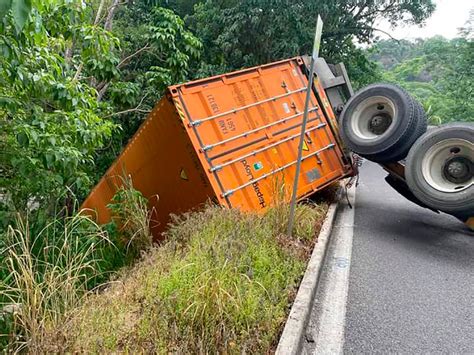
x=293, y=333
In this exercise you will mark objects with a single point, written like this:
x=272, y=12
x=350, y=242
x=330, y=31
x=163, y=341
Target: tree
x=67, y=82
x=439, y=72
x=50, y=120
x=460, y=77
x=157, y=51
x=245, y=33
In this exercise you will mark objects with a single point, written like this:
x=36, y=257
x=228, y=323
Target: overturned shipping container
x=231, y=138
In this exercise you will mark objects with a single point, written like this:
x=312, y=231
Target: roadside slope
x=221, y=283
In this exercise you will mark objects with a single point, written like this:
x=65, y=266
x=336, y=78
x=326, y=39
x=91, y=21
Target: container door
x=245, y=127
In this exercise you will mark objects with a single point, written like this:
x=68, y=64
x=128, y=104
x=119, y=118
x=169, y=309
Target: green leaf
x=49, y=160
x=22, y=139
x=34, y=136
x=21, y=10
x=5, y=6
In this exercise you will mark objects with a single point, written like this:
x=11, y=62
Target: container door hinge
x=215, y=168
x=227, y=193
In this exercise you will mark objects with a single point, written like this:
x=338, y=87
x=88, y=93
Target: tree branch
x=385, y=32
x=99, y=12
x=126, y=59
x=78, y=72
x=103, y=86
x=102, y=91
x=350, y=31
x=96, y=21
x=136, y=109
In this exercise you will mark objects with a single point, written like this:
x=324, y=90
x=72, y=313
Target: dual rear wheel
x=383, y=123
x=440, y=169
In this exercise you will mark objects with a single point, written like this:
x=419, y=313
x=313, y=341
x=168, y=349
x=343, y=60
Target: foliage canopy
x=439, y=72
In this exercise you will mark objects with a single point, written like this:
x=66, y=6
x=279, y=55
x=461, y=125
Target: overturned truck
x=233, y=139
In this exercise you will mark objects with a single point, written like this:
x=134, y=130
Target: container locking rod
x=235, y=110
x=253, y=181
x=245, y=134
x=254, y=152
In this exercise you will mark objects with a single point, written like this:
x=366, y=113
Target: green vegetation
x=439, y=72
x=220, y=276
x=239, y=34
x=47, y=275
x=65, y=81
x=221, y=283
x=76, y=80
x=131, y=219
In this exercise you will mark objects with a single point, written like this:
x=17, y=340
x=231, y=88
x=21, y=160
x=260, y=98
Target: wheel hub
x=379, y=123
x=458, y=169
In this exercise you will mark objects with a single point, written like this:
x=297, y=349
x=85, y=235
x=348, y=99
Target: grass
x=46, y=272
x=49, y=273
x=222, y=282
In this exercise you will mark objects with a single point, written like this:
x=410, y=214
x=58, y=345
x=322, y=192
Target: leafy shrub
x=131, y=218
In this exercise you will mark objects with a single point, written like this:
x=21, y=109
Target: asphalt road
x=411, y=282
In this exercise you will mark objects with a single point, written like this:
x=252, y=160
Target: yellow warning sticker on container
x=183, y=175
x=179, y=109
x=305, y=146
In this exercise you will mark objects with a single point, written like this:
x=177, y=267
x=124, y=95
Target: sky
x=445, y=21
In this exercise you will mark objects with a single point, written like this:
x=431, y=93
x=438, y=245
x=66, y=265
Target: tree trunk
x=110, y=16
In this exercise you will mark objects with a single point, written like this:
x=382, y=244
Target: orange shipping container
x=230, y=138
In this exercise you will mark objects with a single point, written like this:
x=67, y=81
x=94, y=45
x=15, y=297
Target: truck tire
x=440, y=168
x=381, y=122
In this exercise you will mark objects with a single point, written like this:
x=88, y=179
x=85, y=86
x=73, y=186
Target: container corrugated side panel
x=245, y=127
x=163, y=165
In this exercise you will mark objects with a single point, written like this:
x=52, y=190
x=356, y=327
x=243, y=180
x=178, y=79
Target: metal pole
x=317, y=42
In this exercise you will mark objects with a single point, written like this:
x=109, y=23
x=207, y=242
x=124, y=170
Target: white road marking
x=330, y=336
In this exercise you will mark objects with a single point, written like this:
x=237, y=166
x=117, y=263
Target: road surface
x=410, y=278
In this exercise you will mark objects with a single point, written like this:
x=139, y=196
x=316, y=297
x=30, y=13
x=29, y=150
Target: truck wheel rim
x=373, y=118
x=448, y=167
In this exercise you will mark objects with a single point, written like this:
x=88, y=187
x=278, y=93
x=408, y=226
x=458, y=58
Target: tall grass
x=221, y=283
x=307, y=213
x=49, y=273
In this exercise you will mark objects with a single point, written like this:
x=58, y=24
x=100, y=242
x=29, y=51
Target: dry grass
x=221, y=283
x=50, y=271
x=49, y=274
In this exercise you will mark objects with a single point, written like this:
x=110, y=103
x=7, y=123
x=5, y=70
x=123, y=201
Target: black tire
x=402, y=117
x=428, y=169
x=420, y=129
